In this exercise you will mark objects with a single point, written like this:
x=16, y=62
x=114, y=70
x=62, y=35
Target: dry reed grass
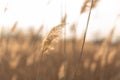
x=13, y=28
x=99, y=61
x=86, y=5
x=19, y=62
x=51, y=38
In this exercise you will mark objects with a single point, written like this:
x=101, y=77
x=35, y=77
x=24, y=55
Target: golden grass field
x=20, y=59
x=34, y=57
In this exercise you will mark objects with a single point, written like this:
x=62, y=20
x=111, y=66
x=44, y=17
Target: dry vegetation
x=19, y=59
x=20, y=55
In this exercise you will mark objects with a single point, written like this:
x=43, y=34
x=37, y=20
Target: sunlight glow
x=49, y=12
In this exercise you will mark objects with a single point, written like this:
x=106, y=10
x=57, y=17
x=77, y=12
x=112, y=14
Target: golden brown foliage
x=51, y=38
x=20, y=62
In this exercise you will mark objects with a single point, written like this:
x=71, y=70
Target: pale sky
x=36, y=12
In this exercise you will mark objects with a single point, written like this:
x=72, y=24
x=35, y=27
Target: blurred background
x=25, y=23
x=34, y=13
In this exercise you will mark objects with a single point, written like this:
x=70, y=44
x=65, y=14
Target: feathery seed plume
x=51, y=38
